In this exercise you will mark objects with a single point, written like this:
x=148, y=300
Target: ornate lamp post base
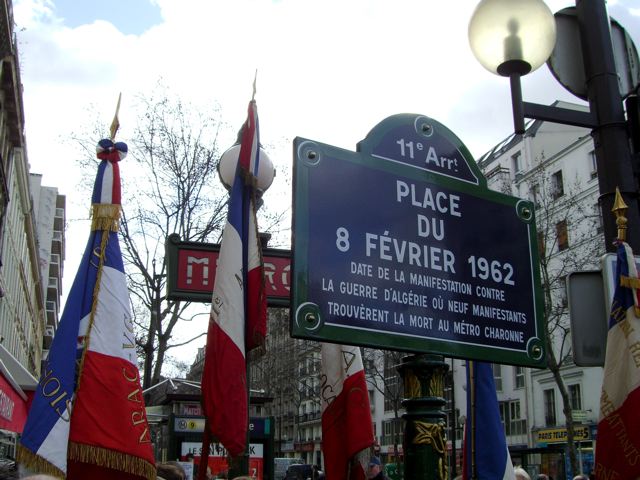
x=425, y=445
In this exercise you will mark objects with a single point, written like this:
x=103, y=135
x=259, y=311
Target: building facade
x=554, y=166
x=31, y=252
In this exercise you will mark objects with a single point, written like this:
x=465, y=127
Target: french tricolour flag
x=486, y=456
x=88, y=416
x=618, y=443
x=239, y=307
x=347, y=429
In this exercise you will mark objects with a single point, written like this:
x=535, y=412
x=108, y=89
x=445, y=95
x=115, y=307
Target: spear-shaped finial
x=619, y=210
x=115, y=123
x=255, y=79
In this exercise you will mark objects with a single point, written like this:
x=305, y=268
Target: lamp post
x=513, y=38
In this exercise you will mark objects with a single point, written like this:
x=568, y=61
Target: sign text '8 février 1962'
x=401, y=245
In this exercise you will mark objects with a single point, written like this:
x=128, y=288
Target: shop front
x=16, y=393
x=552, y=446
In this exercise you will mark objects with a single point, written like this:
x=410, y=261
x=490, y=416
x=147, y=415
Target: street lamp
x=512, y=38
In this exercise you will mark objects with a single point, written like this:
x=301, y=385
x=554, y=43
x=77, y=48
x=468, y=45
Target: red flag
x=238, y=308
x=618, y=445
x=347, y=429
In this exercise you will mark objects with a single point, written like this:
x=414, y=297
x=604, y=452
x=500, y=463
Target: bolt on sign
x=401, y=245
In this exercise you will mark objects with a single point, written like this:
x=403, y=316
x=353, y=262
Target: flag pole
x=472, y=386
x=240, y=465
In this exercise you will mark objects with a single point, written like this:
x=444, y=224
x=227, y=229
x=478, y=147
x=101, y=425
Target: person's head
x=582, y=476
x=171, y=471
x=542, y=476
x=521, y=474
x=375, y=467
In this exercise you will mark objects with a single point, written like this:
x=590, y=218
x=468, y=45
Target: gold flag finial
x=619, y=210
x=115, y=123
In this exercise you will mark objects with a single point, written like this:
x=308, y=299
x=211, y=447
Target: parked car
x=299, y=472
x=280, y=466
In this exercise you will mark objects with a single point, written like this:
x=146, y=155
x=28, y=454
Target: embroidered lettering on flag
x=618, y=445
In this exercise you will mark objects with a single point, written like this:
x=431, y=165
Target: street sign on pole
x=401, y=245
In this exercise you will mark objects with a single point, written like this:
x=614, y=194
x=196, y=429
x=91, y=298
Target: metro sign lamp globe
x=227, y=168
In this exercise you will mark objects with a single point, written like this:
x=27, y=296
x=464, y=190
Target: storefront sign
x=559, y=435
x=13, y=408
x=218, y=457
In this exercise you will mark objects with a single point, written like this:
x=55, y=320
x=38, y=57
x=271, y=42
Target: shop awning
x=16, y=391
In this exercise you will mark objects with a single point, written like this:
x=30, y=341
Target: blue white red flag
x=239, y=307
x=486, y=456
x=88, y=419
x=618, y=445
x=347, y=429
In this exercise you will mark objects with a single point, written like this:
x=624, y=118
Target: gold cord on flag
x=105, y=216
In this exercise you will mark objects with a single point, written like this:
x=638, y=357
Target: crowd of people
x=521, y=474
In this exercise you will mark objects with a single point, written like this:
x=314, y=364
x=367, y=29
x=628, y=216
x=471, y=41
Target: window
x=534, y=195
x=598, y=214
x=510, y=418
x=557, y=186
x=575, y=396
x=549, y=407
x=594, y=164
x=516, y=163
x=392, y=429
x=542, y=246
x=519, y=377
x=562, y=235
x=497, y=376
x=392, y=383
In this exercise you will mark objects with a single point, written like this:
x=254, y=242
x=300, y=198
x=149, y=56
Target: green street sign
x=402, y=246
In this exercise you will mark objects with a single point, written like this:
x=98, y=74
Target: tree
x=567, y=225
x=382, y=374
x=170, y=186
x=175, y=148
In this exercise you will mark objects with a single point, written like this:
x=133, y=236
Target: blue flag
x=486, y=456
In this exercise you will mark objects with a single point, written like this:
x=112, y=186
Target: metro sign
x=191, y=271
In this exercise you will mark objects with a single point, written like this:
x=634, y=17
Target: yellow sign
x=559, y=435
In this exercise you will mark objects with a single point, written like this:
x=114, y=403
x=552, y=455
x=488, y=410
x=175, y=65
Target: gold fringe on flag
x=36, y=463
x=629, y=282
x=105, y=216
x=103, y=457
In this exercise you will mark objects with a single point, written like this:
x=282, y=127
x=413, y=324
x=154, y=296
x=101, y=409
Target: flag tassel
x=37, y=463
x=103, y=457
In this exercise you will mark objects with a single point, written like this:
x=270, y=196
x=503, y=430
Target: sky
x=328, y=70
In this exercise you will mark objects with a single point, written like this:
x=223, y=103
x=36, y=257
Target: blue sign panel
x=412, y=252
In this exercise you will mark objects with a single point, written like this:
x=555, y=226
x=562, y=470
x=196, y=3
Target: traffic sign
x=401, y=245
